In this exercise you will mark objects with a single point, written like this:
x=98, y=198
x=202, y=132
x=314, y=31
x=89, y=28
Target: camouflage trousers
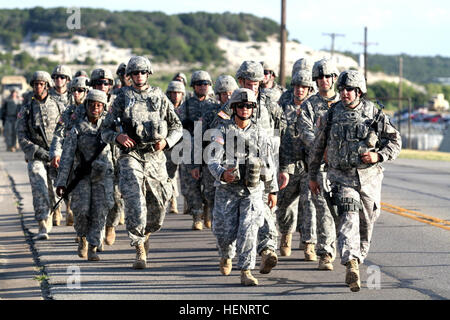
x=146, y=190
x=91, y=203
x=9, y=132
x=236, y=221
x=325, y=221
x=268, y=233
x=295, y=206
x=172, y=170
x=42, y=177
x=356, y=226
x=209, y=190
x=113, y=217
x=191, y=189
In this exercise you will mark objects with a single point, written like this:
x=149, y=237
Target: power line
x=365, y=44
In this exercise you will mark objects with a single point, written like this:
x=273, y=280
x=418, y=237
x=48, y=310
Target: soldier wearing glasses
x=320, y=229
x=241, y=163
x=142, y=122
x=61, y=76
x=355, y=137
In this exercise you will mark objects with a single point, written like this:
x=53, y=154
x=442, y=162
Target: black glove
x=42, y=154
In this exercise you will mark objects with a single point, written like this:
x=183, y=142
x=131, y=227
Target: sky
x=417, y=28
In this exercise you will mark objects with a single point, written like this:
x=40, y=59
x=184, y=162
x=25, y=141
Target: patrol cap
x=225, y=83
x=41, y=76
x=176, y=86
x=352, y=78
x=250, y=70
x=97, y=95
x=243, y=95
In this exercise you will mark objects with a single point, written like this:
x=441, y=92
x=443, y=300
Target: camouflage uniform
x=356, y=186
x=320, y=227
x=143, y=179
x=8, y=114
x=193, y=114
x=92, y=198
x=238, y=212
x=31, y=118
x=291, y=212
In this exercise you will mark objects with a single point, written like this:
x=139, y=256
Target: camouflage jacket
x=10, y=108
x=226, y=155
x=36, y=123
x=64, y=98
x=147, y=110
x=80, y=145
x=345, y=133
x=68, y=118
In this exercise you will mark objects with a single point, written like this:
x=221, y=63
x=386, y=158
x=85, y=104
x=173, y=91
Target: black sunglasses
x=202, y=83
x=135, y=73
x=348, y=89
x=245, y=105
x=328, y=76
x=58, y=76
x=79, y=90
x=101, y=82
x=267, y=72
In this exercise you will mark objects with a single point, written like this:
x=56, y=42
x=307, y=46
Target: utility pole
x=333, y=36
x=365, y=44
x=283, y=43
x=400, y=76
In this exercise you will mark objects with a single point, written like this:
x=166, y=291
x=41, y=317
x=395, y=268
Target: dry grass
x=424, y=155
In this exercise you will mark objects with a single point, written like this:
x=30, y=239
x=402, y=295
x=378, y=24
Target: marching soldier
x=143, y=123
x=240, y=170
x=355, y=138
x=35, y=127
x=8, y=114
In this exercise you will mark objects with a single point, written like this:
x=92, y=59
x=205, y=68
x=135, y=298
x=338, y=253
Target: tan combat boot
x=207, y=217
x=141, y=257
x=82, y=247
x=225, y=266
x=122, y=218
x=173, y=205
x=147, y=243
x=325, y=262
x=42, y=235
x=92, y=253
x=57, y=217
x=269, y=260
x=247, y=279
x=310, y=252
x=77, y=239
x=49, y=223
x=198, y=223
x=352, y=275
x=110, y=236
x=69, y=215
x=286, y=242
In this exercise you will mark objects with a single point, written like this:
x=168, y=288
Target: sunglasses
x=328, y=76
x=246, y=106
x=201, y=83
x=79, y=90
x=348, y=89
x=135, y=73
x=102, y=82
x=267, y=72
x=58, y=76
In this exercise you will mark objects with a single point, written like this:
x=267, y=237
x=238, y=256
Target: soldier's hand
x=314, y=187
x=195, y=173
x=272, y=202
x=60, y=191
x=55, y=162
x=283, y=179
x=228, y=175
x=161, y=144
x=369, y=157
x=125, y=140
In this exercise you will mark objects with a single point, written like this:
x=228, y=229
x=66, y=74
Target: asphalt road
x=409, y=260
